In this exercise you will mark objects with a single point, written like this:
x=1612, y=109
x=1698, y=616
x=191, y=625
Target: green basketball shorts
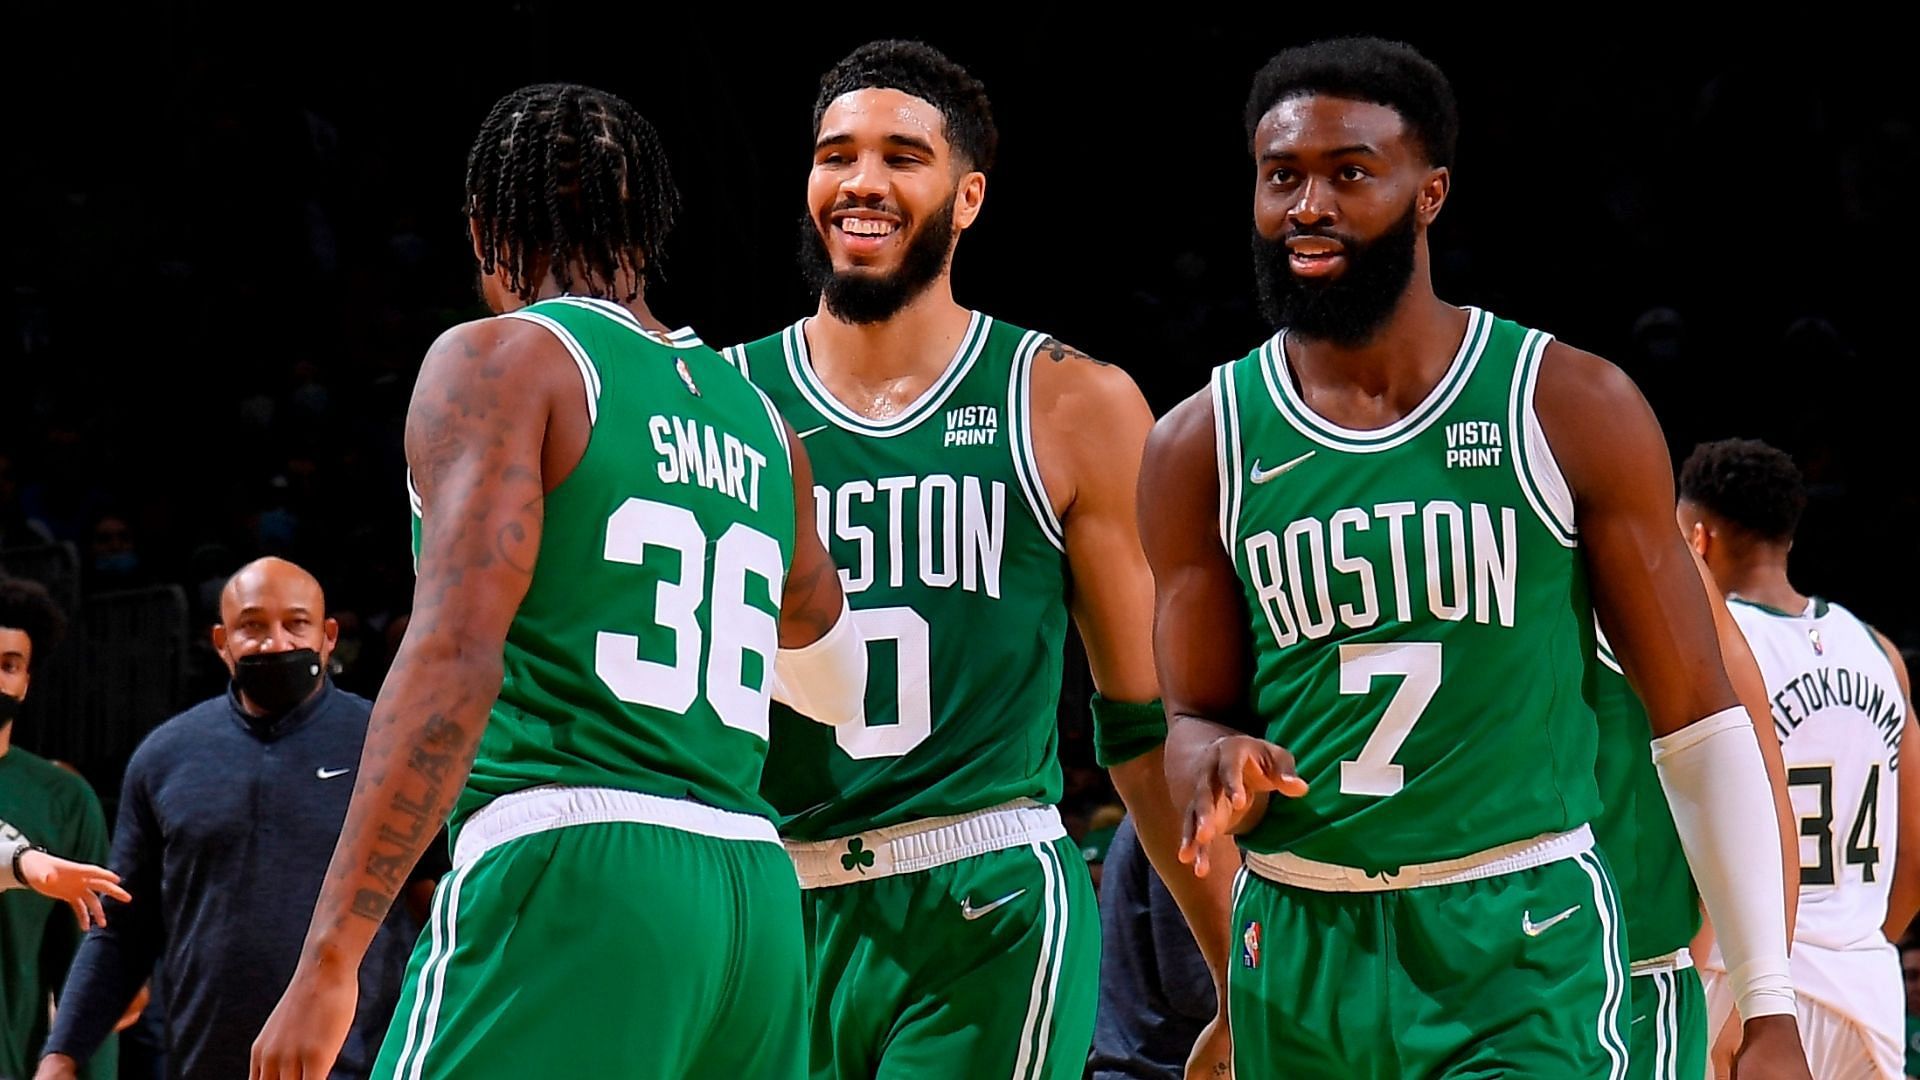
x=951, y=949
x=593, y=932
x=1667, y=1035
x=1509, y=963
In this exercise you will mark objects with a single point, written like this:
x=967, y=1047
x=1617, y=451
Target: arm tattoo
x=1059, y=351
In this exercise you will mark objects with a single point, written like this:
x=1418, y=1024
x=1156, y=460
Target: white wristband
x=1716, y=784
x=826, y=680
x=9, y=851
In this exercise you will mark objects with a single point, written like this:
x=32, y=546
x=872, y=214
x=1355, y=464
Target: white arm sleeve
x=1716, y=784
x=826, y=680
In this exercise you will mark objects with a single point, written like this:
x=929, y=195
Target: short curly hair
x=27, y=606
x=1747, y=482
x=914, y=67
x=1371, y=69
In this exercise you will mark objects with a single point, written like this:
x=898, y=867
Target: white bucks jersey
x=1838, y=710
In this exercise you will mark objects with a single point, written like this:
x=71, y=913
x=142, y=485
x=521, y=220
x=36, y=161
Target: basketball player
x=1372, y=541
x=1667, y=1031
x=976, y=484
x=1840, y=703
x=611, y=572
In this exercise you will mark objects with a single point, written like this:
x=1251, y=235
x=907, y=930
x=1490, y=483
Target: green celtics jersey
x=642, y=656
x=955, y=567
x=1635, y=828
x=1417, y=608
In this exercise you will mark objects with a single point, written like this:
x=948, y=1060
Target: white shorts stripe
x=440, y=976
x=1059, y=956
x=1665, y=1063
x=420, y=989
x=1027, y=1064
x=1608, y=1023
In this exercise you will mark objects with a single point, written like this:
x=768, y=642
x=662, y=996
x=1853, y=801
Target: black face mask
x=9, y=708
x=278, y=681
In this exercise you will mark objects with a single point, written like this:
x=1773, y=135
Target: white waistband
x=1677, y=960
x=1290, y=869
x=923, y=844
x=540, y=809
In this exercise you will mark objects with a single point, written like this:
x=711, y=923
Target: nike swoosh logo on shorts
x=811, y=431
x=1259, y=477
x=328, y=774
x=970, y=913
x=1535, y=929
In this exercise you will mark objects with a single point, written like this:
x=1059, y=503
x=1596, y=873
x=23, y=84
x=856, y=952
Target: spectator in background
x=228, y=818
x=50, y=806
x=1156, y=994
x=113, y=560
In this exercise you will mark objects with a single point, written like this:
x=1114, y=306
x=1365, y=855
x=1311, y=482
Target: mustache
x=865, y=204
x=1320, y=232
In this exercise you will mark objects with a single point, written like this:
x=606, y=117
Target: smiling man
x=1379, y=543
x=975, y=483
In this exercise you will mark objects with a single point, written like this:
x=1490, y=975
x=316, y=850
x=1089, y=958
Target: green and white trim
x=1273, y=365
x=589, y=374
x=1037, y=1031
x=800, y=366
x=683, y=338
x=1026, y=463
x=1533, y=462
x=1226, y=452
x=430, y=993
x=1607, y=906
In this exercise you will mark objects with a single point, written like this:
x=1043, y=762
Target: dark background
x=229, y=241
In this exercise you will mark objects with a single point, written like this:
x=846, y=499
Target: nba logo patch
x=1819, y=649
x=686, y=376
x=1250, y=944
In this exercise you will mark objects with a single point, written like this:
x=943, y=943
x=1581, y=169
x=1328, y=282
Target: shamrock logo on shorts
x=857, y=855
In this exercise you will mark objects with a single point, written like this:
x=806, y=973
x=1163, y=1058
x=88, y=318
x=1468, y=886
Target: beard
x=865, y=296
x=1346, y=310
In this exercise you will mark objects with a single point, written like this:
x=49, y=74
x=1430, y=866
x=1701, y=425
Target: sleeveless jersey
x=642, y=656
x=1635, y=828
x=1418, y=610
x=1837, y=706
x=954, y=564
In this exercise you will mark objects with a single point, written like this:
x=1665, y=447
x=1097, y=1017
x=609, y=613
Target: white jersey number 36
x=736, y=626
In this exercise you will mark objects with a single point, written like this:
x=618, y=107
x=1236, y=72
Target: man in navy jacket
x=228, y=818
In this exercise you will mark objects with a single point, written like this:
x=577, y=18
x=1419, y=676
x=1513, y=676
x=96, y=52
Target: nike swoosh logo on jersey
x=970, y=913
x=328, y=774
x=1535, y=929
x=811, y=431
x=1260, y=477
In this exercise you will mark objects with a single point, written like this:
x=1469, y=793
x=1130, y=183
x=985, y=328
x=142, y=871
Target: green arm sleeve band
x=1123, y=730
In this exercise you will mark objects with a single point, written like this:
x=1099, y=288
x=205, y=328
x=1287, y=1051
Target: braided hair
x=565, y=178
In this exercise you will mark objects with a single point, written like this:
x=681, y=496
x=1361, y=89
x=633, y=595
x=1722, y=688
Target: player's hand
x=1770, y=1050
x=304, y=1035
x=1212, y=1057
x=75, y=884
x=1236, y=775
x=57, y=1067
